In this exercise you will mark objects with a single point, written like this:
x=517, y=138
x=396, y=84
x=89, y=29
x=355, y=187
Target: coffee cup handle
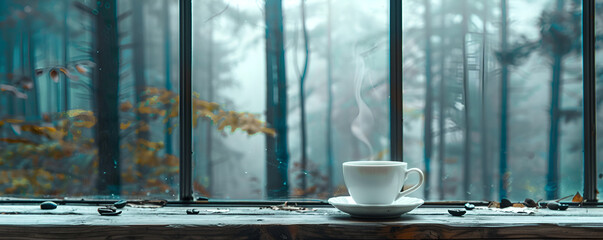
x=416, y=186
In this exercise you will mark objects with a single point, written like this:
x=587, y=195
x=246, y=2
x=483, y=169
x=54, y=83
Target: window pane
x=470, y=61
x=89, y=100
x=348, y=53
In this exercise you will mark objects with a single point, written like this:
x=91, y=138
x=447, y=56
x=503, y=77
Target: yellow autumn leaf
x=124, y=126
x=125, y=106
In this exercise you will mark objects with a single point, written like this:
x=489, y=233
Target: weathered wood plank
x=29, y=222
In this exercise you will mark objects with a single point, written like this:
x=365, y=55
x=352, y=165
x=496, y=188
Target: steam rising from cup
x=364, y=120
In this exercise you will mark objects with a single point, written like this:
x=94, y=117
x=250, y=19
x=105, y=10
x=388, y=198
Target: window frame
x=186, y=193
x=396, y=95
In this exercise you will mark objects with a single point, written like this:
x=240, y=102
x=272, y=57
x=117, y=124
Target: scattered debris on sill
x=147, y=203
x=192, y=211
x=120, y=204
x=285, y=207
x=108, y=211
x=218, y=210
x=457, y=212
x=48, y=205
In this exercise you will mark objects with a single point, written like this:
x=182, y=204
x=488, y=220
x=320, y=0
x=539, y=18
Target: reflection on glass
x=338, y=47
x=89, y=107
x=499, y=88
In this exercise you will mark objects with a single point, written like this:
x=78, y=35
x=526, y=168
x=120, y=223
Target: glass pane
x=347, y=45
x=89, y=106
x=474, y=67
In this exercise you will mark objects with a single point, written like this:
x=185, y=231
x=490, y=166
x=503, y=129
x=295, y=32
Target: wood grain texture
x=30, y=222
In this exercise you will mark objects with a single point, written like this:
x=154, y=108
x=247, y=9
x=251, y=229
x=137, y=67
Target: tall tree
x=302, y=100
x=467, y=132
x=486, y=177
x=558, y=51
x=330, y=158
x=210, y=97
x=427, y=134
x=138, y=62
x=277, y=156
x=442, y=99
x=66, y=87
x=105, y=82
x=167, y=60
x=10, y=55
x=503, y=175
x=31, y=106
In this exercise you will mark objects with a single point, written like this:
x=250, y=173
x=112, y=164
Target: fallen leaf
x=577, y=198
x=54, y=75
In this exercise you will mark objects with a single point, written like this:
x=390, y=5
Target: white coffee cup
x=378, y=182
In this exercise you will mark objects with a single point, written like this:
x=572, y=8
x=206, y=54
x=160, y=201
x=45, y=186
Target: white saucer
x=401, y=206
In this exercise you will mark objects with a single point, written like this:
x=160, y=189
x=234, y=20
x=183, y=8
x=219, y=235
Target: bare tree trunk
x=138, y=62
x=66, y=88
x=503, y=182
x=302, y=97
x=427, y=134
x=467, y=138
x=442, y=110
x=552, y=177
x=210, y=97
x=330, y=158
x=486, y=172
x=106, y=97
x=277, y=156
x=168, y=68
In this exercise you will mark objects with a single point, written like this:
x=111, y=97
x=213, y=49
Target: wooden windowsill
x=28, y=221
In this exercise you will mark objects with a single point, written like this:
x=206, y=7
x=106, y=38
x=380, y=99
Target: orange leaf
x=54, y=75
x=577, y=198
x=124, y=126
x=17, y=140
x=126, y=106
x=81, y=69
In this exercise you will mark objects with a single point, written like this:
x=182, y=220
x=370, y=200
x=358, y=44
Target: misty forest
x=285, y=91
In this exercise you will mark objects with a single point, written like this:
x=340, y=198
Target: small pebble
x=469, y=206
x=553, y=205
x=192, y=211
x=529, y=203
x=108, y=211
x=504, y=203
x=120, y=204
x=563, y=207
x=48, y=205
x=457, y=212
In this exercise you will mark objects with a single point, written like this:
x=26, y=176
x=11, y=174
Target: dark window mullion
x=395, y=78
x=589, y=105
x=186, y=97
